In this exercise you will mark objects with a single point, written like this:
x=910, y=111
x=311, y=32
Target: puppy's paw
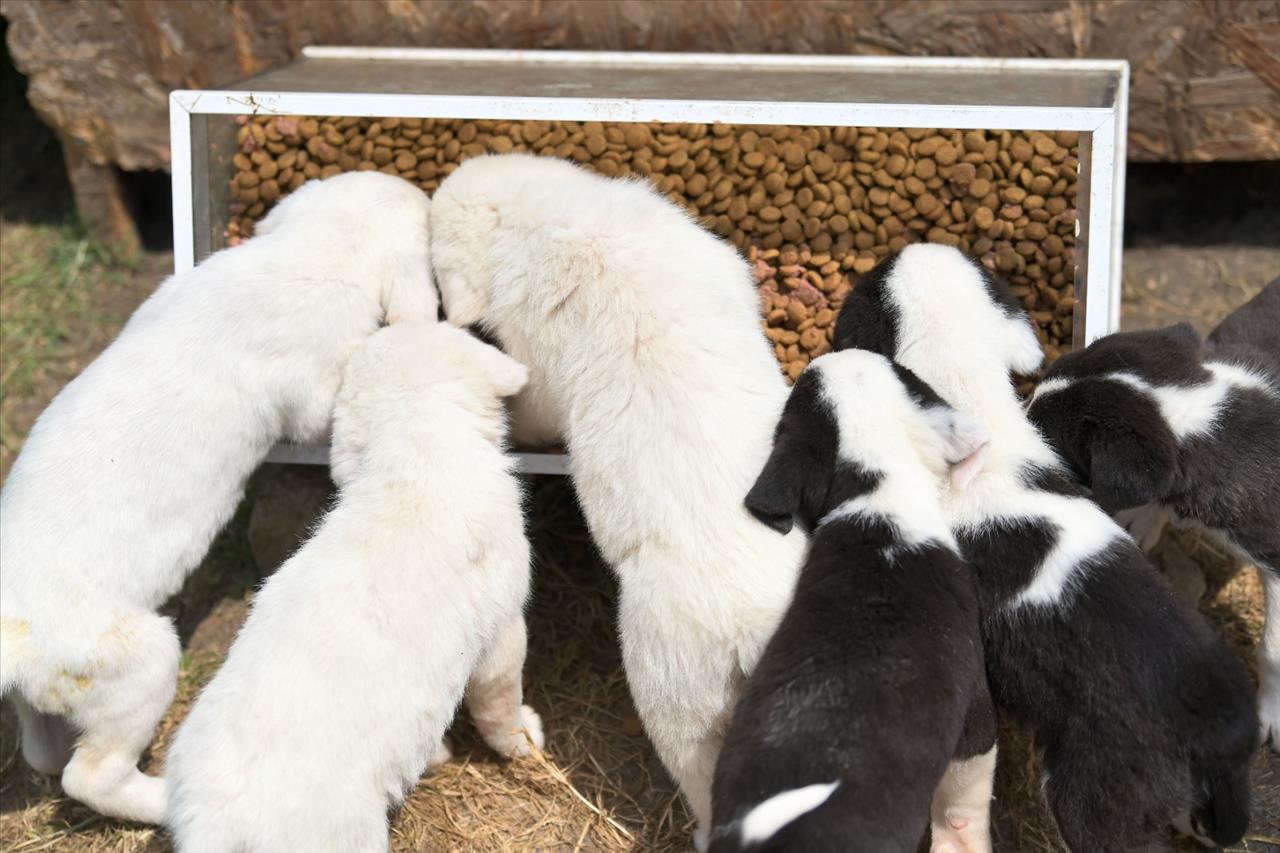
x=959, y=833
x=511, y=741
x=532, y=724
x=1145, y=524
x=1269, y=715
x=701, y=838
x=442, y=756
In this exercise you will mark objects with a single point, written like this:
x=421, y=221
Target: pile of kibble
x=810, y=207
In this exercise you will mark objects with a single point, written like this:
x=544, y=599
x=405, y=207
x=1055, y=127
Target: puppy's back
x=866, y=683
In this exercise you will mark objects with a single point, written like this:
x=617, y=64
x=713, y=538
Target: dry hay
x=597, y=786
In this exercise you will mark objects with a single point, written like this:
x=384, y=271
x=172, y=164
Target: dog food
x=811, y=207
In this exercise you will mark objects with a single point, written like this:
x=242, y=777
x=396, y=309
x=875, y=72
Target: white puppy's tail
x=769, y=817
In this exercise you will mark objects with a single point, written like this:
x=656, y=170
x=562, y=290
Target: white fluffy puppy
x=356, y=653
x=641, y=332
x=139, y=461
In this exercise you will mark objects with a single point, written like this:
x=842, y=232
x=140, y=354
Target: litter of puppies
x=954, y=557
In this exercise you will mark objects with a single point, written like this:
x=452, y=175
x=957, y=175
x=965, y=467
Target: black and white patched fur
x=1146, y=719
x=874, y=680
x=1158, y=417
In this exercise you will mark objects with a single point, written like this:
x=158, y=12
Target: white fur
x=965, y=353
x=960, y=814
x=641, y=333
x=764, y=820
x=1269, y=660
x=139, y=461
x=912, y=447
x=337, y=692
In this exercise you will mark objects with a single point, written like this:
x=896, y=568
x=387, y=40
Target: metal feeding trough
x=1086, y=96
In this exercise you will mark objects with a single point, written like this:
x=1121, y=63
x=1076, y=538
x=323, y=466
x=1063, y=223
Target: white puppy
x=139, y=461
x=358, y=650
x=642, y=335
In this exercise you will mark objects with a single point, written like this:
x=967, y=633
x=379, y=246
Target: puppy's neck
x=906, y=499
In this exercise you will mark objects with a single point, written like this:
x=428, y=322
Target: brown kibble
x=796, y=311
x=1044, y=145
x=809, y=205
x=1006, y=259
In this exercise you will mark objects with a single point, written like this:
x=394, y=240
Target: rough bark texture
x=1206, y=73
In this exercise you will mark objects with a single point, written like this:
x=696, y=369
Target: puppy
x=356, y=653
x=1145, y=717
x=1159, y=418
x=874, y=679
x=139, y=461
x=642, y=337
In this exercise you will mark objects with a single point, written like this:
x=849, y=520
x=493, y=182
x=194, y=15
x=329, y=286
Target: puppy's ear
x=797, y=469
x=465, y=304
x=966, y=442
x=409, y=293
x=1131, y=467
x=1024, y=352
x=775, y=497
x=868, y=319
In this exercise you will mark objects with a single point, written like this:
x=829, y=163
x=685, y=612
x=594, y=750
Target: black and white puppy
x=1146, y=719
x=1159, y=418
x=874, y=679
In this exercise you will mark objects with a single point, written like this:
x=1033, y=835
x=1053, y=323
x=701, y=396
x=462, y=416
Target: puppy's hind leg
x=117, y=707
x=495, y=695
x=47, y=740
x=693, y=766
x=960, y=815
x=1269, y=660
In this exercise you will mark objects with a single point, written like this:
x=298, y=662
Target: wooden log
x=1206, y=73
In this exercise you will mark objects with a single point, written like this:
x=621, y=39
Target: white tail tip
x=763, y=821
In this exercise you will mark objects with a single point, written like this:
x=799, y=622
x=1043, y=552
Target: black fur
x=874, y=676
x=868, y=320
x=1144, y=716
x=1116, y=440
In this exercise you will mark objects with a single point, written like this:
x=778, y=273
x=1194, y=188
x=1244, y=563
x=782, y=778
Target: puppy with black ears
x=1146, y=719
x=874, y=680
x=1159, y=420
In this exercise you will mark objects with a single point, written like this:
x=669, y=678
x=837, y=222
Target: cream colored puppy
x=642, y=336
x=356, y=653
x=140, y=460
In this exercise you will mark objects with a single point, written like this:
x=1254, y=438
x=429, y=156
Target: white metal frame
x=1103, y=133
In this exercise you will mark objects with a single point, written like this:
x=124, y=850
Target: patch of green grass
x=44, y=278
x=59, y=303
